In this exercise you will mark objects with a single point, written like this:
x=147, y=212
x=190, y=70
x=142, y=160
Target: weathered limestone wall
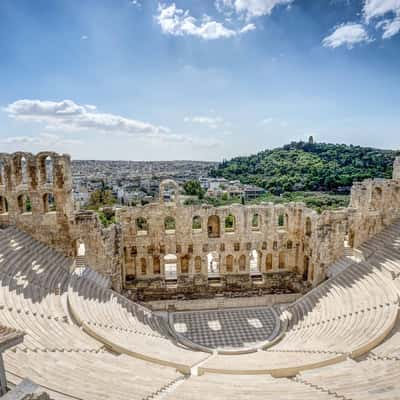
x=26, y=182
x=293, y=244
x=396, y=168
x=374, y=205
x=168, y=250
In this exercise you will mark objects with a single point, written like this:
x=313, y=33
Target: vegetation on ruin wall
x=307, y=166
x=318, y=201
x=101, y=201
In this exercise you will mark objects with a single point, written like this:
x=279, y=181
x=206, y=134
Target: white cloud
x=348, y=35
x=44, y=140
x=390, y=27
x=248, y=28
x=67, y=115
x=84, y=37
x=178, y=22
x=212, y=122
x=250, y=8
x=379, y=8
x=375, y=9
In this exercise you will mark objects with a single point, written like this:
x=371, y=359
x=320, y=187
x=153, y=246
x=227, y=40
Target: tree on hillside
x=193, y=188
x=100, y=198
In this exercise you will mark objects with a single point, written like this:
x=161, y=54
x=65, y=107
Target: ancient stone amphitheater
x=74, y=322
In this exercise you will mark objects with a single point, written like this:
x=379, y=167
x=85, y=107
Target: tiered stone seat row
x=89, y=376
x=245, y=387
x=126, y=326
x=56, y=353
x=347, y=316
x=368, y=379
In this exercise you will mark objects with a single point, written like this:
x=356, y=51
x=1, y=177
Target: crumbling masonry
x=166, y=249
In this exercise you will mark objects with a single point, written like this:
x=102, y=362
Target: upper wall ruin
x=167, y=248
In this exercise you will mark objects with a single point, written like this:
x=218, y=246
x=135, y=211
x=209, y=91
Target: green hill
x=308, y=166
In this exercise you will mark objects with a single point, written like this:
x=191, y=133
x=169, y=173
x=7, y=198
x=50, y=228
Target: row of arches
x=212, y=261
x=22, y=172
x=213, y=224
x=24, y=203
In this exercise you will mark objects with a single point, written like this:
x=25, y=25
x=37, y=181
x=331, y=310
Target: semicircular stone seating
x=342, y=338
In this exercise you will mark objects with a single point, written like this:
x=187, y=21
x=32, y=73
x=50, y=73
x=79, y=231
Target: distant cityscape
x=137, y=182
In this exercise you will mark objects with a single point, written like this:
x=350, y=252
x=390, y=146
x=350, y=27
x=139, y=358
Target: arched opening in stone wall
x=268, y=262
x=3, y=205
x=351, y=238
x=242, y=263
x=308, y=227
x=213, y=264
x=255, y=262
x=24, y=203
x=213, y=226
x=281, y=220
x=376, y=197
x=255, y=265
x=169, y=191
x=49, y=169
x=46, y=169
x=197, y=265
x=142, y=226
x=255, y=222
x=169, y=224
x=230, y=223
x=170, y=267
x=156, y=265
x=185, y=264
x=289, y=245
x=282, y=260
x=49, y=203
x=311, y=273
x=229, y=263
x=24, y=171
x=81, y=249
x=143, y=266
x=196, y=223
x=306, y=267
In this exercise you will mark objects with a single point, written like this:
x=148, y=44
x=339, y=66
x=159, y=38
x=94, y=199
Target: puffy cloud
x=375, y=9
x=67, y=115
x=379, y=8
x=348, y=35
x=178, y=22
x=390, y=27
x=251, y=8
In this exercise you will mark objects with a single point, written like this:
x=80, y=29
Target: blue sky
x=197, y=79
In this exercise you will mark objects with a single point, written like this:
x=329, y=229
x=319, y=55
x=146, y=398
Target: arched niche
x=229, y=263
x=49, y=203
x=230, y=223
x=142, y=226
x=169, y=224
x=213, y=226
x=3, y=205
x=24, y=203
x=308, y=228
x=169, y=191
x=170, y=266
x=196, y=223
